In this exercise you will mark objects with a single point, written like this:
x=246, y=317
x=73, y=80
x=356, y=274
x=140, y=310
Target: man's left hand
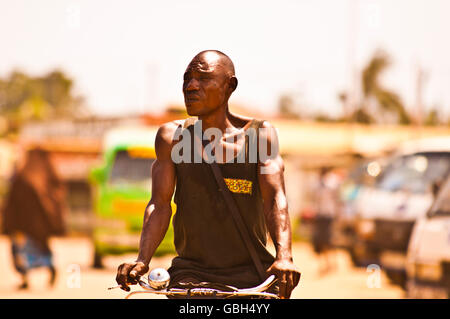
x=287, y=274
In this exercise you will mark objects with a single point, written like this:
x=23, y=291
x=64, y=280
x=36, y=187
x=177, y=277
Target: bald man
x=207, y=242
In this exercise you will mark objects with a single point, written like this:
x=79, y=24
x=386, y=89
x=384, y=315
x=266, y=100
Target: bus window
x=130, y=168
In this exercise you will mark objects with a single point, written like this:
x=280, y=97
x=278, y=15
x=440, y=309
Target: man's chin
x=192, y=113
x=192, y=110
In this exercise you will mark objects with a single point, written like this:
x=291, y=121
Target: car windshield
x=442, y=204
x=130, y=167
x=414, y=173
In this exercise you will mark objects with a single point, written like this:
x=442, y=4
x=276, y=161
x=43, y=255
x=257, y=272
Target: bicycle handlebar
x=210, y=292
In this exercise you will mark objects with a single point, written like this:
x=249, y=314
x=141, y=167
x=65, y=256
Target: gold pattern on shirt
x=241, y=186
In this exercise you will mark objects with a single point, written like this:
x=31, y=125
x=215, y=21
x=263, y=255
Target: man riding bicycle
x=209, y=246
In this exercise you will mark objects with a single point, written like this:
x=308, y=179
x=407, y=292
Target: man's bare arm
x=158, y=211
x=271, y=181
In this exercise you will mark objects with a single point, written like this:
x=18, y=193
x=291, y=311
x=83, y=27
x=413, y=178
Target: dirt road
x=76, y=279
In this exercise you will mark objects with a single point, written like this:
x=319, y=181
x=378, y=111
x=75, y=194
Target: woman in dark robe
x=33, y=212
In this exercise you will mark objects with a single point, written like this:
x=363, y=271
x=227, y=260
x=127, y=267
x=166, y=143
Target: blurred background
x=358, y=90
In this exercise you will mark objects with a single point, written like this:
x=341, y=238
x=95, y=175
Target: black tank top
x=207, y=240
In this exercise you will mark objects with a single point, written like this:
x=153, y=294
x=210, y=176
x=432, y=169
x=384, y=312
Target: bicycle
x=158, y=281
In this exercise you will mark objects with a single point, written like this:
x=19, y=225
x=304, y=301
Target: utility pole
x=351, y=101
x=419, y=106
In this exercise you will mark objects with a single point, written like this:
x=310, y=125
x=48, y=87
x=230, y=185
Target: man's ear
x=233, y=83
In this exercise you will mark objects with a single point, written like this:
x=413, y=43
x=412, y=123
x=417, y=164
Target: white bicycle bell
x=158, y=278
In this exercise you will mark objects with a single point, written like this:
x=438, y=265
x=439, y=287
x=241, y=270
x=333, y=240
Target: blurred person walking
x=33, y=212
x=322, y=227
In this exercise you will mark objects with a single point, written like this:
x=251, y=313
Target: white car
x=387, y=211
x=428, y=261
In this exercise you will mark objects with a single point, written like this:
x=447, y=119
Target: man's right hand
x=129, y=273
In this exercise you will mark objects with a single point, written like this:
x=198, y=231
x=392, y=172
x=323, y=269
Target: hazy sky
x=130, y=55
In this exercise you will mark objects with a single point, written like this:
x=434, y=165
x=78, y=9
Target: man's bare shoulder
x=167, y=130
x=268, y=132
x=164, y=137
x=266, y=124
x=273, y=160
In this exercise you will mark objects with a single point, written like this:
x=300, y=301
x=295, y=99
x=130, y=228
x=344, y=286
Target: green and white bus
x=122, y=190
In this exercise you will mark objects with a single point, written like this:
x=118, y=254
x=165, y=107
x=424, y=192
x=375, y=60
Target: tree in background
x=432, y=118
x=287, y=106
x=25, y=98
x=378, y=104
x=385, y=101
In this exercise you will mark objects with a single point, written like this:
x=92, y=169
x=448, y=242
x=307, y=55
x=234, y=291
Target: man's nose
x=192, y=85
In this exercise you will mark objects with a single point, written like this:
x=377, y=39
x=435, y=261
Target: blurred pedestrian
x=322, y=227
x=33, y=212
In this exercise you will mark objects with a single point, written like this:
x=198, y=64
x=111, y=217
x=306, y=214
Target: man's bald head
x=208, y=83
x=209, y=59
